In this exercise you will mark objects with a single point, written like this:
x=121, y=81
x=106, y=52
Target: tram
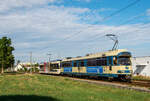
x=114, y=64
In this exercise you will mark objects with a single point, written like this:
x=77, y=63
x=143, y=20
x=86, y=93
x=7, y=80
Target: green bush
x=25, y=70
x=36, y=70
x=21, y=70
x=31, y=70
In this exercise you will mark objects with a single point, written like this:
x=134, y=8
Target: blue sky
x=74, y=27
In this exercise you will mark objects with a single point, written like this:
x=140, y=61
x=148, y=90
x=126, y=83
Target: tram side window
x=54, y=66
x=75, y=64
x=91, y=62
x=67, y=64
x=81, y=63
x=104, y=61
x=98, y=62
x=62, y=64
x=101, y=61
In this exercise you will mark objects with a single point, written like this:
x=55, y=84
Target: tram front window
x=124, y=61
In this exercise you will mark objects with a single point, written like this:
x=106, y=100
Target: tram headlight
x=123, y=71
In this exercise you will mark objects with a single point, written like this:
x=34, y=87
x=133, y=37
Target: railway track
x=143, y=86
x=141, y=83
x=132, y=86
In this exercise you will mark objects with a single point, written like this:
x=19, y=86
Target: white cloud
x=48, y=23
x=6, y=5
x=35, y=29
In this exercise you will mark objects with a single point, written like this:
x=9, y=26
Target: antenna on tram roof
x=115, y=39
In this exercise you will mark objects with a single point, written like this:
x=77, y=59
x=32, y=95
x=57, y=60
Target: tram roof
x=55, y=62
x=100, y=54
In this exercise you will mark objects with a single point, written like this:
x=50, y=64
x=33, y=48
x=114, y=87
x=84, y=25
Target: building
x=25, y=65
x=141, y=65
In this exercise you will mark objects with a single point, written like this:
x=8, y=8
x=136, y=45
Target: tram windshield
x=124, y=60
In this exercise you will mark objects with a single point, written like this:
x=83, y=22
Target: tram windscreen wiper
x=124, y=61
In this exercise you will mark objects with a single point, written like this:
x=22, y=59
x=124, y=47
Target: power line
x=49, y=63
x=125, y=22
x=122, y=9
x=99, y=36
x=105, y=18
x=133, y=18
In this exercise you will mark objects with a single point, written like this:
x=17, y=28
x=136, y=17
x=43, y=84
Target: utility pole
x=31, y=60
x=49, y=56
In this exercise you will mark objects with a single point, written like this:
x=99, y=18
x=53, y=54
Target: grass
x=48, y=88
x=142, y=78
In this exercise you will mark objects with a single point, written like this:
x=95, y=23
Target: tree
x=6, y=56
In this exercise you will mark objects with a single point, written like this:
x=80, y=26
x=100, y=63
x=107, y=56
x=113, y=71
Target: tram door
x=79, y=66
x=110, y=62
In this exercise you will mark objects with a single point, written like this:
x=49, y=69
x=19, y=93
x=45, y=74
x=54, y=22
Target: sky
x=70, y=28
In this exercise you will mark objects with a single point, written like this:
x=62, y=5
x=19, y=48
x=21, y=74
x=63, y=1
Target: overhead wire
x=112, y=14
x=90, y=43
x=125, y=22
x=105, y=18
x=98, y=36
x=90, y=26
